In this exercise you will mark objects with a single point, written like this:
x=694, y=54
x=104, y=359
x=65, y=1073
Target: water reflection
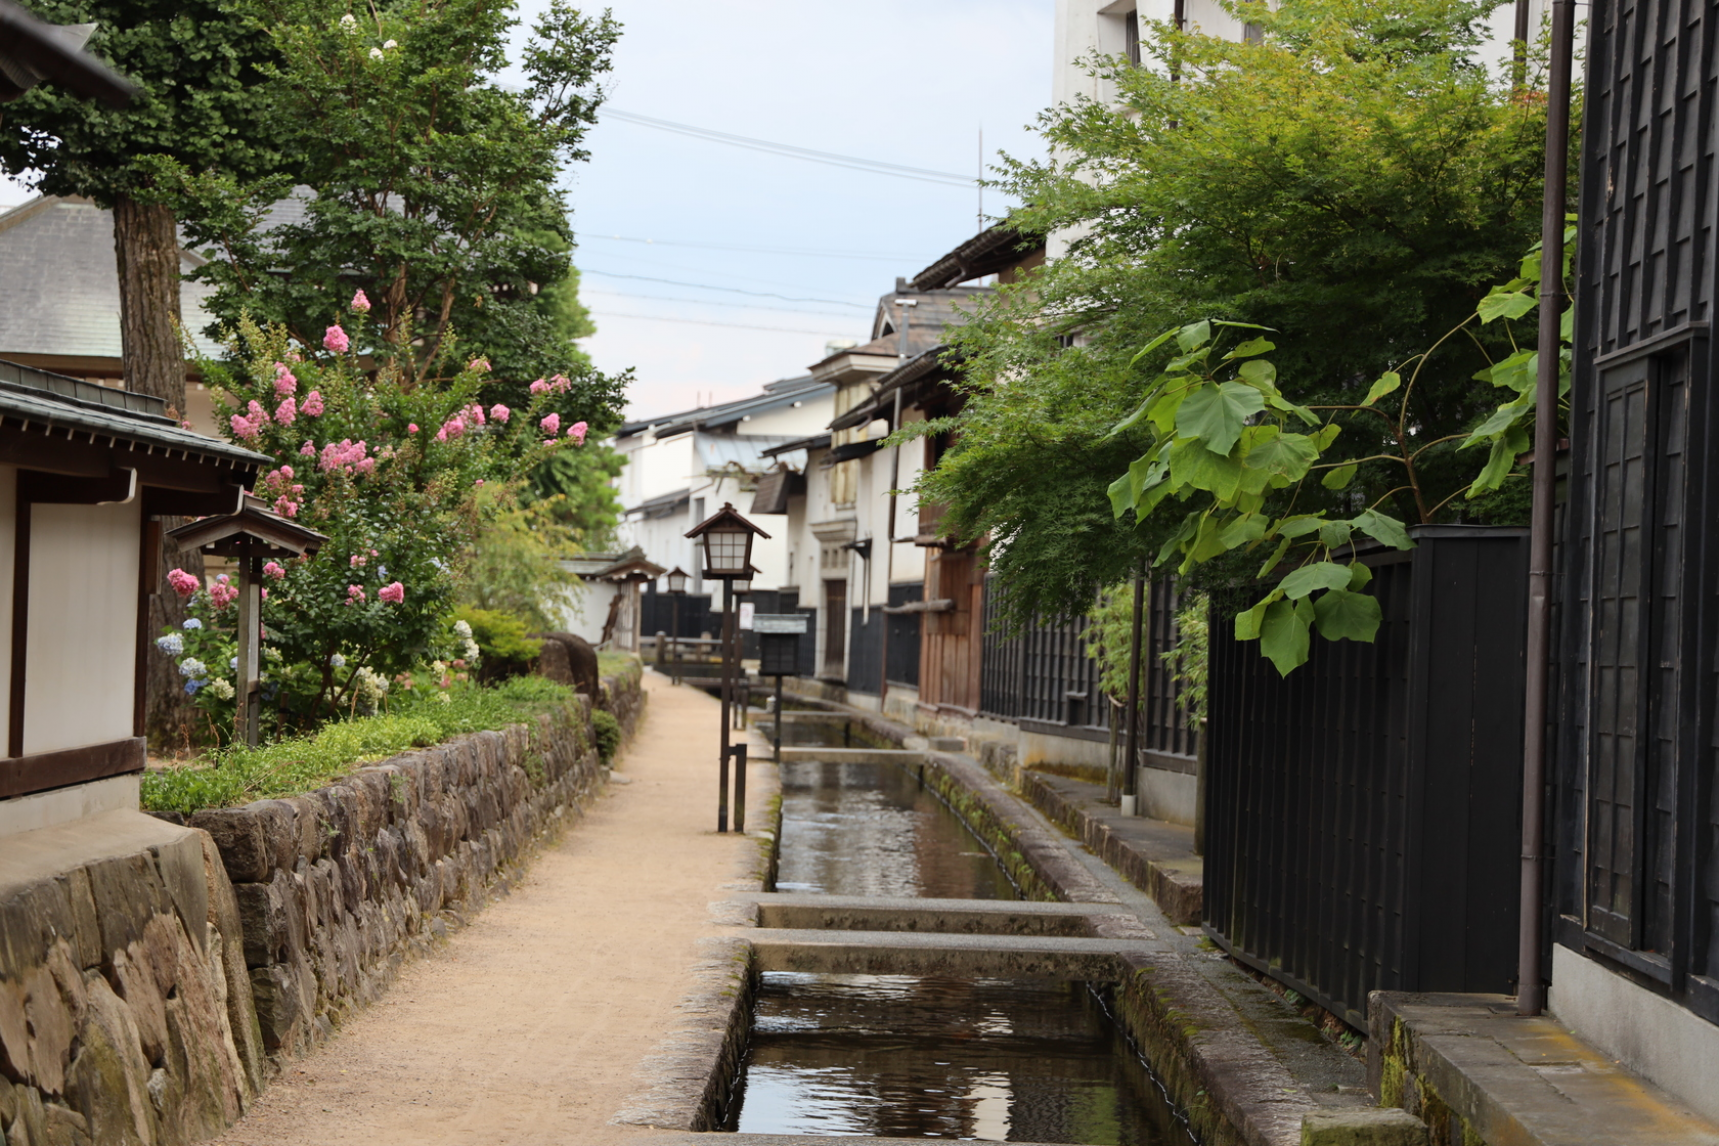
x=874, y=829
x=900, y=1056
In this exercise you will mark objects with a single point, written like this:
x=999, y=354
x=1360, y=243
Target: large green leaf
x=1360, y=575
x=1192, y=464
x=1286, y=457
x=1163, y=411
x=1251, y=347
x=1249, y=527
x=1247, y=624
x=1195, y=334
x=1309, y=578
x=1121, y=492
x=1502, y=302
x=1500, y=461
x=1216, y=414
x=1336, y=533
x=1276, y=557
x=1384, y=528
x=1283, y=635
x=1151, y=346
x=1346, y=616
x=1300, y=526
x=1259, y=373
x=1500, y=420
x=1190, y=525
x=1388, y=381
x=1339, y=478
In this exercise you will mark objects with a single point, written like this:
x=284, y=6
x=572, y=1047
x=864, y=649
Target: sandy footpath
x=529, y=1026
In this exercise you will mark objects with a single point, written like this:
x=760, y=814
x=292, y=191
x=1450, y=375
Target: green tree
x=425, y=184
x=1354, y=181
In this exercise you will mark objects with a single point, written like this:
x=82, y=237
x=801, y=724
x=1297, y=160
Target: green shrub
x=301, y=764
x=608, y=733
x=506, y=649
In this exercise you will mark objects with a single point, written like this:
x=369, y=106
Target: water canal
x=913, y=1057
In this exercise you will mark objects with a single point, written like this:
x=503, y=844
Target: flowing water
x=908, y=1057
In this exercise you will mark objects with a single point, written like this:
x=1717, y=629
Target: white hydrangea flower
x=337, y=661
x=462, y=630
x=192, y=669
x=272, y=654
x=391, y=45
x=376, y=53
x=349, y=24
x=372, y=686
x=444, y=698
x=222, y=689
x=470, y=652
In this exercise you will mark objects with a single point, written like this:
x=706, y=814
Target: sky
x=711, y=269
x=907, y=82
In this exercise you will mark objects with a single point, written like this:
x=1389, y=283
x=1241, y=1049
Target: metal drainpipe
x=1530, y=976
x=889, y=553
x=1131, y=754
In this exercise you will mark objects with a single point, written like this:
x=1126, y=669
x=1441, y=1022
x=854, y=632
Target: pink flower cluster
x=287, y=412
x=279, y=485
x=275, y=570
x=311, y=407
x=360, y=304
x=470, y=418
x=286, y=385
x=393, y=594
x=355, y=595
x=335, y=339
x=249, y=425
x=500, y=413
x=556, y=384
x=577, y=432
x=223, y=592
x=183, y=583
x=481, y=365
x=348, y=455
x=551, y=424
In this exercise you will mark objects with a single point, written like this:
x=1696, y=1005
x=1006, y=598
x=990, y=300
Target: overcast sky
x=906, y=82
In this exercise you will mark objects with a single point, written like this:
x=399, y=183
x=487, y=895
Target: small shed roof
x=630, y=566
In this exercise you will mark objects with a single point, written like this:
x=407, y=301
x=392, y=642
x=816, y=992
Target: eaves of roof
x=54, y=403
x=815, y=442
x=932, y=363
x=994, y=249
x=785, y=392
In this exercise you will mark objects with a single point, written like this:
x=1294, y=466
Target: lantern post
x=676, y=590
x=726, y=541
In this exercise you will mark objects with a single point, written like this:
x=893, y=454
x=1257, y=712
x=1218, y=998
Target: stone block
x=312, y=829
x=1389, y=1127
x=107, y=1083
x=238, y=834
x=279, y=822
x=86, y=929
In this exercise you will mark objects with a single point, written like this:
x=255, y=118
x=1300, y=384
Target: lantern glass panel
x=726, y=551
x=677, y=581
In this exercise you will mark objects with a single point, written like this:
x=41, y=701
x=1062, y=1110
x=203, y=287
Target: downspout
x=889, y=553
x=1530, y=974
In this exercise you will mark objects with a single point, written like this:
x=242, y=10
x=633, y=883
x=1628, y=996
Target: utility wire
x=755, y=250
x=717, y=302
x=789, y=151
x=730, y=290
x=709, y=322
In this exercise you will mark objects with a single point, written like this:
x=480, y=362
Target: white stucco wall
x=81, y=658
x=8, y=546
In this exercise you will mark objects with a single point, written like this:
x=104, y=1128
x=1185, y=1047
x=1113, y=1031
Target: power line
x=755, y=250
x=790, y=151
x=718, y=302
x=708, y=322
x=730, y=290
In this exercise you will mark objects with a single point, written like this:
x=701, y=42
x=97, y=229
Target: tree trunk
x=146, y=248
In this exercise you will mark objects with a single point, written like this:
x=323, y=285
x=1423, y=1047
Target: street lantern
x=676, y=590
x=727, y=541
x=726, y=538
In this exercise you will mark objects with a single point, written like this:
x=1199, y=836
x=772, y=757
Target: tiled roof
x=775, y=396
x=59, y=294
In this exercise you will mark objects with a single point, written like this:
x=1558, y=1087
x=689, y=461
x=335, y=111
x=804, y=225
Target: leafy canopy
x=1355, y=182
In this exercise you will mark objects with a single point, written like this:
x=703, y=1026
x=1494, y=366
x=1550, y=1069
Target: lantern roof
x=254, y=522
x=725, y=516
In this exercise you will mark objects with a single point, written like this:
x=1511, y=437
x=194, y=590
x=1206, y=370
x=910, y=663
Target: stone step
x=947, y=956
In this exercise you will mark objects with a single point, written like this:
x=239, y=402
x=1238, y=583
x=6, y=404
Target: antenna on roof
x=980, y=182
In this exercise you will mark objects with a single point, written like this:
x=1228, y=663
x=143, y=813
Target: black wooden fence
x=1043, y=679
x=1363, y=814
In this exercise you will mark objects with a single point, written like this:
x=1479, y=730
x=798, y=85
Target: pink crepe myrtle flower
x=473, y=414
x=480, y=483
x=287, y=412
x=274, y=569
x=286, y=506
x=481, y=365
x=577, y=432
x=286, y=384
x=183, y=583
x=551, y=424
x=355, y=595
x=335, y=339
x=559, y=383
x=356, y=560
x=500, y=413
x=185, y=424
x=411, y=427
x=539, y=386
x=311, y=407
x=243, y=428
x=392, y=594
x=452, y=428
x=346, y=455
x=307, y=450
x=360, y=304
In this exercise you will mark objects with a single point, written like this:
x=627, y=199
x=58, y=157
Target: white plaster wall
x=585, y=616
x=1651, y=1036
x=81, y=658
x=63, y=805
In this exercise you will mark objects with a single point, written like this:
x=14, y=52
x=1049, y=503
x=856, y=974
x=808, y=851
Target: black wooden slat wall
x=1636, y=883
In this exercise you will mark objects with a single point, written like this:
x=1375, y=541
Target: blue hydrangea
x=233, y=664
x=193, y=669
x=191, y=623
x=191, y=687
x=337, y=661
x=382, y=572
x=171, y=644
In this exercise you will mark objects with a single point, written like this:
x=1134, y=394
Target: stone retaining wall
x=125, y=1006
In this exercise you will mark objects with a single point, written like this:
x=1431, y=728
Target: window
x=1131, y=36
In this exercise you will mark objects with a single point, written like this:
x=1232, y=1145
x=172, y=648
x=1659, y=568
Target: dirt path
x=530, y=1025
